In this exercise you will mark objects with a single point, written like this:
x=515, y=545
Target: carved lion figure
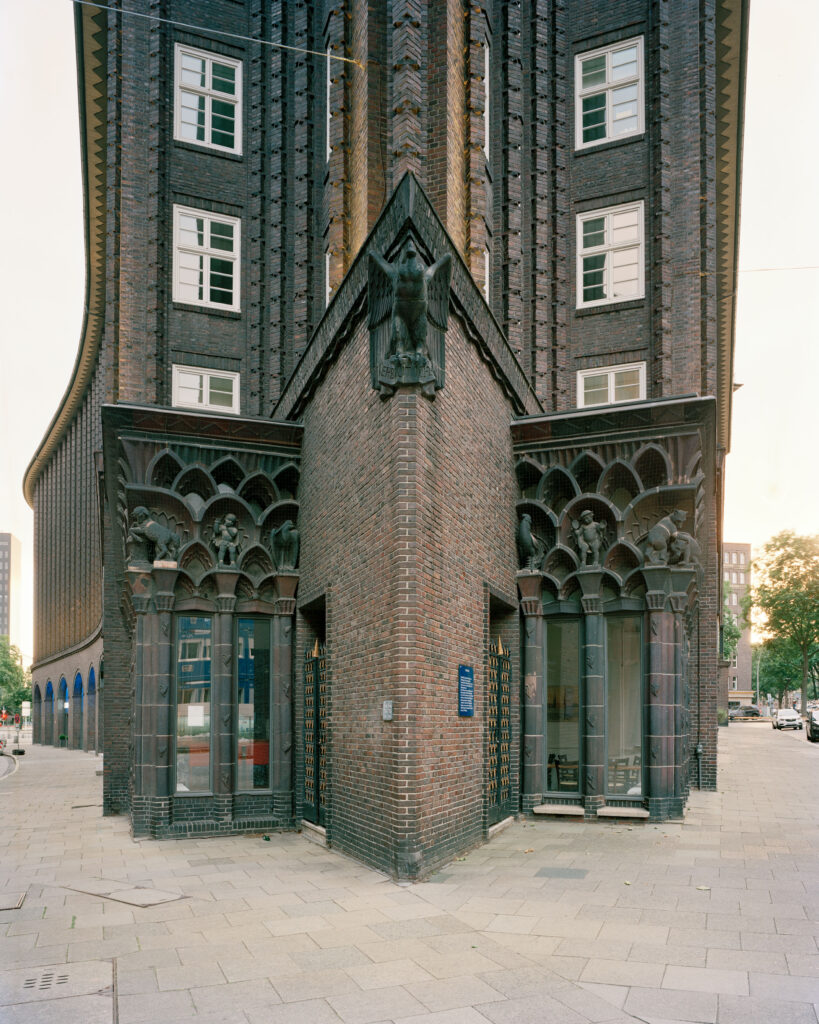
x=144, y=528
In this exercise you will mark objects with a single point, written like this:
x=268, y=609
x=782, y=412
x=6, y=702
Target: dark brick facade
x=407, y=508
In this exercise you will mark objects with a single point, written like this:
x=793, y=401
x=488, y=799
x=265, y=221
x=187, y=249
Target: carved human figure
x=284, y=545
x=666, y=544
x=412, y=296
x=588, y=535
x=530, y=547
x=226, y=540
x=146, y=531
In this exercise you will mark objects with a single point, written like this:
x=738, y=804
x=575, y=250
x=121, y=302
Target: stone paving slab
x=709, y=920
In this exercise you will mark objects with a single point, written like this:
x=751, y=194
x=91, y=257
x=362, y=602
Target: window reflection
x=563, y=706
x=624, y=711
x=253, y=719
x=193, y=676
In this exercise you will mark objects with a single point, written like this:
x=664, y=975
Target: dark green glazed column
x=534, y=726
x=282, y=724
x=594, y=696
x=141, y=603
x=682, y=580
x=162, y=694
x=660, y=692
x=223, y=698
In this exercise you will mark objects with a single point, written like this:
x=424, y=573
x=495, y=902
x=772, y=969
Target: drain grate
x=46, y=981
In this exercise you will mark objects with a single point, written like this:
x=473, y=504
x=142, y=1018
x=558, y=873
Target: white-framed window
x=195, y=387
x=727, y=577
x=328, y=288
x=733, y=682
x=609, y=93
x=486, y=266
x=208, y=99
x=610, y=263
x=486, y=86
x=605, y=385
x=733, y=661
x=733, y=558
x=205, y=258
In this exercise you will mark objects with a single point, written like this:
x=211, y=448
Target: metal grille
x=498, y=711
x=315, y=734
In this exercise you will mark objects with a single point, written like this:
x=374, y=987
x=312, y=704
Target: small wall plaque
x=466, y=691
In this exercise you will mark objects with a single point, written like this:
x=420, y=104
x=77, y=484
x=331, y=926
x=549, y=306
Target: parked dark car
x=812, y=726
x=749, y=711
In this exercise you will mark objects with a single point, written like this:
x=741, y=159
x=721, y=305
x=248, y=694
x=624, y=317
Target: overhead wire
x=218, y=32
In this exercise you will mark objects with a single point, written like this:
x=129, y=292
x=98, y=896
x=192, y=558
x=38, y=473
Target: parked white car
x=787, y=718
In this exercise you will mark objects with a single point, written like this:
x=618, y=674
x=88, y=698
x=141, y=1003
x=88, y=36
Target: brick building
x=9, y=588
x=736, y=574
x=389, y=475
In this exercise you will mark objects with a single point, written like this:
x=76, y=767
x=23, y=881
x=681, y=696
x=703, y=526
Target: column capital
x=592, y=605
x=530, y=585
x=655, y=600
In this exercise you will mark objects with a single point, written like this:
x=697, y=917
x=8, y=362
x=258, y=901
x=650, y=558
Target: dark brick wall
x=407, y=513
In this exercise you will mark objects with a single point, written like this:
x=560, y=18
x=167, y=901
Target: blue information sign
x=466, y=691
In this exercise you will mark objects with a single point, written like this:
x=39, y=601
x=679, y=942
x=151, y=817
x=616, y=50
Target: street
x=713, y=919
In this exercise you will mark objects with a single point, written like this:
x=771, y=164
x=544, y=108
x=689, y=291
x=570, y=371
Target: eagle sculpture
x=408, y=307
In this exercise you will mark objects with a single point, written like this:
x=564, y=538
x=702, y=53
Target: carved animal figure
x=226, y=540
x=144, y=528
x=666, y=544
x=284, y=545
x=588, y=535
x=412, y=296
x=530, y=547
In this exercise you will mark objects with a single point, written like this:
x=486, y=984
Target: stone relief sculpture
x=408, y=310
x=531, y=548
x=226, y=540
x=588, y=536
x=284, y=545
x=147, y=536
x=667, y=544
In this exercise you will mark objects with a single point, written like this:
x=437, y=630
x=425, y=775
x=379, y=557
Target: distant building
x=9, y=583
x=736, y=572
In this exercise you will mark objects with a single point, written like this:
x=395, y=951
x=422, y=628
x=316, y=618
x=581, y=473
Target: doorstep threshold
x=622, y=812
x=576, y=809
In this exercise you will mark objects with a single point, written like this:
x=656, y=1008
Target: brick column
x=594, y=699
x=534, y=733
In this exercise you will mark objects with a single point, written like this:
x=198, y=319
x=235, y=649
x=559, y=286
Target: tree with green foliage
x=731, y=630
x=15, y=681
x=785, y=595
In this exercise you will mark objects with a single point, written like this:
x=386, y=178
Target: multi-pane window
x=208, y=109
x=563, y=706
x=624, y=703
x=610, y=255
x=206, y=258
x=609, y=93
x=609, y=384
x=210, y=390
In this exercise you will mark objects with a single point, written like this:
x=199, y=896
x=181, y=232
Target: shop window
x=193, y=679
x=563, y=706
x=254, y=689
x=624, y=718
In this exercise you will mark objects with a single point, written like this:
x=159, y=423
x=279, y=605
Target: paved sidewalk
x=711, y=920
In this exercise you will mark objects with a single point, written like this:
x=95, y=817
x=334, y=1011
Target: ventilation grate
x=46, y=980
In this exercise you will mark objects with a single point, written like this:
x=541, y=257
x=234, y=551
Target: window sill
x=609, y=307
x=192, y=147
x=191, y=307
x=608, y=144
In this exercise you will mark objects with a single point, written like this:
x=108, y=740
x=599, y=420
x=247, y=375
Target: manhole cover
x=11, y=900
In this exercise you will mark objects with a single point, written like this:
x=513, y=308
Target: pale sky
x=772, y=481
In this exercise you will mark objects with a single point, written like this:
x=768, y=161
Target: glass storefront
x=253, y=718
x=193, y=681
x=624, y=706
x=563, y=706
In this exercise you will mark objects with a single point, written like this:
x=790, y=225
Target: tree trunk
x=803, y=710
